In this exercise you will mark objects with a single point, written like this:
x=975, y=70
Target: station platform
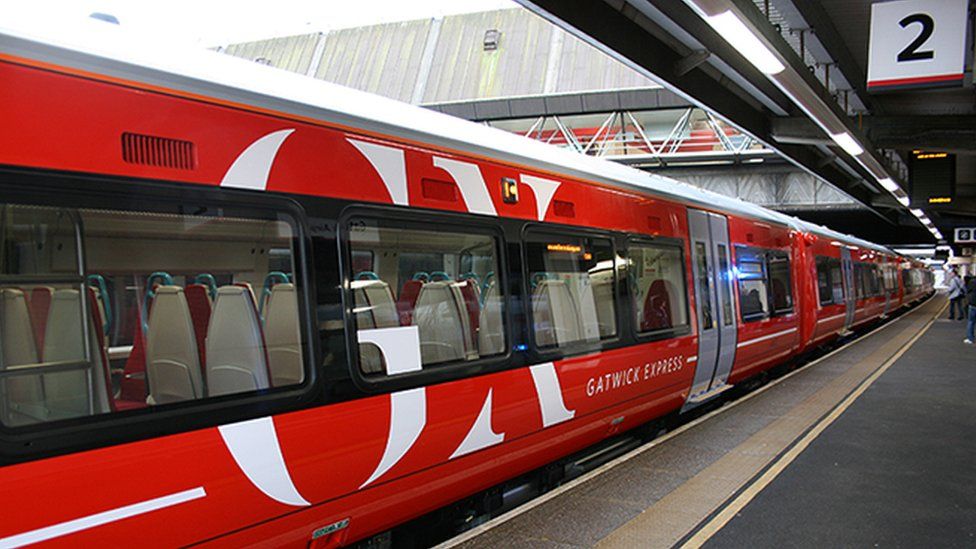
x=871, y=444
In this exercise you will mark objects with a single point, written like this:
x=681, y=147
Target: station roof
x=823, y=46
x=107, y=51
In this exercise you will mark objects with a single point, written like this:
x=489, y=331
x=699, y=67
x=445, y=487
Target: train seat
x=597, y=314
x=657, y=307
x=472, y=306
x=441, y=317
x=200, y=306
x=172, y=359
x=557, y=320
x=236, y=359
x=283, y=337
x=375, y=308
x=408, y=300
x=40, y=304
x=24, y=394
x=66, y=394
x=491, y=332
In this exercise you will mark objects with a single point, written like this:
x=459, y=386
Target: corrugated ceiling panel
x=462, y=69
x=382, y=59
x=292, y=53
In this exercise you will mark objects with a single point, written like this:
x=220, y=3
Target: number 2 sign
x=917, y=44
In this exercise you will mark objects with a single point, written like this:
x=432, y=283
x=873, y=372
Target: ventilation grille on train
x=158, y=151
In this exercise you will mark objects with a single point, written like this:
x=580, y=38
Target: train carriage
x=242, y=306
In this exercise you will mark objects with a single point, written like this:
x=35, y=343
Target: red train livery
x=243, y=307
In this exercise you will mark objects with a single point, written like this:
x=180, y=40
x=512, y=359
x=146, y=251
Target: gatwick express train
x=242, y=306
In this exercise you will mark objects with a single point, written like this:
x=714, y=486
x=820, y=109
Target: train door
x=712, y=270
x=850, y=296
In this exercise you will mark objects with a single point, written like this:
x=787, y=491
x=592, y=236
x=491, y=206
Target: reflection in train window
x=704, y=291
x=571, y=283
x=444, y=283
x=657, y=278
x=764, y=283
x=106, y=311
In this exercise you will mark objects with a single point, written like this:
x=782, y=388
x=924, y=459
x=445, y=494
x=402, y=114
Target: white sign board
x=916, y=44
x=965, y=235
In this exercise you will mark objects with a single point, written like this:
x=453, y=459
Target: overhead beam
x=820, y=21
x=950, y=133
x=621, y=29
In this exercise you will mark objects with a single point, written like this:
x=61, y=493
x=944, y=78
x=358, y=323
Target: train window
x=571, y=281
x=836, y=280
x=764, y=283
x=441, y=282
x=725, y=274
x=106, y=311
x=824, y=288
x=753, y=293
x=704, y=286
x=657, y=277
x=779, y=282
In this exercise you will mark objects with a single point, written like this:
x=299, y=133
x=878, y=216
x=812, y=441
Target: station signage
x=965, y=235
x=931, y=177
x=917, y=44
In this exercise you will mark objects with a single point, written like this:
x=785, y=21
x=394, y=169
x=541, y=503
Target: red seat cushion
x=40, y=305
x=198, y=301
x=657, y=307
x=408, y=300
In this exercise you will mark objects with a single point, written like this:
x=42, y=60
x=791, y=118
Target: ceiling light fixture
x=889, y=184
x=736, y=33
x=848, y=143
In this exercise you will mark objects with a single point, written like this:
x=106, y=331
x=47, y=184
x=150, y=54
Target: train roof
x=101, y=48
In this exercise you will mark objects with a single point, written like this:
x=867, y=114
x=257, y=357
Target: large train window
x=830, y=285
x=657, y=279
x=438, y=288
x=571, y=283
x=764, y=283
x=107, y=311
x=753, y=289
x=823, y=281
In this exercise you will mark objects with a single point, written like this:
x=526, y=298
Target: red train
x=240, y=306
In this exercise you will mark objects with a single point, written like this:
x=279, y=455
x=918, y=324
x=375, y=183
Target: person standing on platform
x=970, y=300
x=957, y=295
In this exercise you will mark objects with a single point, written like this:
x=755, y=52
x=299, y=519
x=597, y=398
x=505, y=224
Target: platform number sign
x=966, y=235
x=917, y=44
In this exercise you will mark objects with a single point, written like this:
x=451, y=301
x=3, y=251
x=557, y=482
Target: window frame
x=664, y=333
x=581, y=346
x=422, y=219
x=763, y=255
x=128, y=194
x=824, y=261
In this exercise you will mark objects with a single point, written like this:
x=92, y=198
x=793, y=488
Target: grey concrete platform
x=668, y=492
x=897, y=469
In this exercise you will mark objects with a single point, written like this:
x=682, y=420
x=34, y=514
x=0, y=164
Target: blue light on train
x=521, y=347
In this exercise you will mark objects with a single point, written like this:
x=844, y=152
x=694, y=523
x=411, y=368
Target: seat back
x=375, y=308
x=408, y=300
x=236, y=360
x=602, y=288
x=657, y=307
x=441, y=319
x=200, y=306
x=172, y=360
x=491, y=332
x=282, y=334
x=40, y=304
x=66, y=394
x=557, y=320
x=22, y=393
x=472, y=307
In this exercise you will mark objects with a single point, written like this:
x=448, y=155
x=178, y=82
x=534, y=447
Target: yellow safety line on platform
x=552, y=494
x=733, y=508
